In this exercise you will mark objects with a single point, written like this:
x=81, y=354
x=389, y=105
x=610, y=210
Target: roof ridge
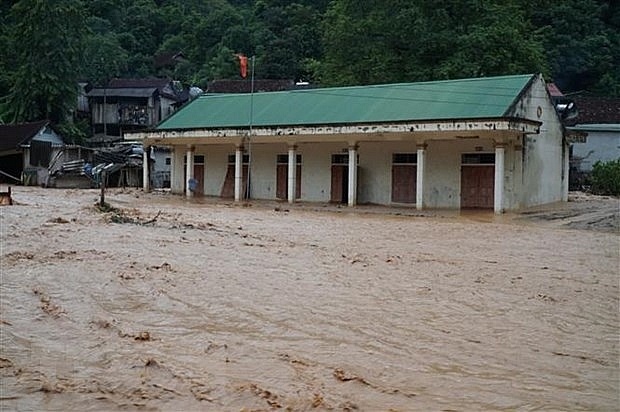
x=381, y=85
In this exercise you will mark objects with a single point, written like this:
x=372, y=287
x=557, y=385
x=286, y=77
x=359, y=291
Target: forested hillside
x=47, y=45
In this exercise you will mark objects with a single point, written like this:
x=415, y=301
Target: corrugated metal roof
x=450, y=99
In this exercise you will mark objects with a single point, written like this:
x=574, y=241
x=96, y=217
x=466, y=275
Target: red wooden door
x=228, y=188
x=282, y=182
x=340, y=184
x=404, y=183
x=199, y=175
x=477, y=187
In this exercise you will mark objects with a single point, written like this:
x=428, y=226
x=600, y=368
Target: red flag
x=243, y=65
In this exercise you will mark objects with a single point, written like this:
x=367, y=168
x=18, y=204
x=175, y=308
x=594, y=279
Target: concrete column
x=146, y=168
x=189, y=169
x=292, y=173
x=498, y=204
x=173, y=172
x=238, y=172
x=352, y=175
x=177, y=183
x=419, y=184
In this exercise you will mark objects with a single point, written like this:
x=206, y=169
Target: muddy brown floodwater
x=166, y=304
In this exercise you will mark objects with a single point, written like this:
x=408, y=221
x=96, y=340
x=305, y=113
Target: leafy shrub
x=606, y=178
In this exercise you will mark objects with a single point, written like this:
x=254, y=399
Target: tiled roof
x=488, y=97
x=594, y=109
x=245, y=86
x=13, y=135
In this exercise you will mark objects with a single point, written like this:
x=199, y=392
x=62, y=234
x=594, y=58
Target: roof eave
x=424, y=129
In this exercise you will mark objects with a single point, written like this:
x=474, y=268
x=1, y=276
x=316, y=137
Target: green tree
x=286, y=36
x=405, y=40
x=499, y=41
x=582, y=41
x=46, y=37
x=103, y=58
x=7, y=53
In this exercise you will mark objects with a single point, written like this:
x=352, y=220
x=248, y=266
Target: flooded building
x=492, y=143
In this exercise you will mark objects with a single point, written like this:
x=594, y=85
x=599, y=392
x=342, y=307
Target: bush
x=606, y=178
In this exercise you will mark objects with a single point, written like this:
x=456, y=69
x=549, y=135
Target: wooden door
x=282, y=181
x=404, y=179
x=228, y=188
x=340, y=184
x=477, y=187
x=199, y=175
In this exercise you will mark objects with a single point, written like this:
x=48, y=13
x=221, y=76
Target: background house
x=494, y=143
x=599, y=117
x=131, y=104
x=26, y=151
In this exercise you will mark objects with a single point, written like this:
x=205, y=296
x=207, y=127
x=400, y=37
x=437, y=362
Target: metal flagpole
x=247, y=188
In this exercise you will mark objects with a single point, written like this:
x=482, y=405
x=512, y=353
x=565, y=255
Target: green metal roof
x=485, y=97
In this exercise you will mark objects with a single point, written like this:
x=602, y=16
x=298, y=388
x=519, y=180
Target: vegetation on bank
x=606, y=178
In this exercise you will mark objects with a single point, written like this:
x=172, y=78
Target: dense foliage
x=606, y=178
x=47, y=45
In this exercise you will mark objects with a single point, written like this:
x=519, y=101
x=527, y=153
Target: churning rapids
x=167, y=304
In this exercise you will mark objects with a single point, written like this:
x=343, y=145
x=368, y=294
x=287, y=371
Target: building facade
x=491, y=143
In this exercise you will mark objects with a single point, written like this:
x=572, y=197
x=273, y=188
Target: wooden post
x=102, y=184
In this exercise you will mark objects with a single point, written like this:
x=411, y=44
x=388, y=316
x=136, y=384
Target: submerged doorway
x=199, y=173
x=340, y=179
x=477, y=180
x=228, y=188
x=404, y=177
x=282, y=177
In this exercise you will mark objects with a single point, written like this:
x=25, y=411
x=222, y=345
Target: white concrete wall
x=513, y=176
x=177, y=183
x=216, y=165
x=263, y=170
x=316, y=169
x=542, y=164
x=375, y=170
x=442, y=180
x=160, y=161
x=603, y=146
